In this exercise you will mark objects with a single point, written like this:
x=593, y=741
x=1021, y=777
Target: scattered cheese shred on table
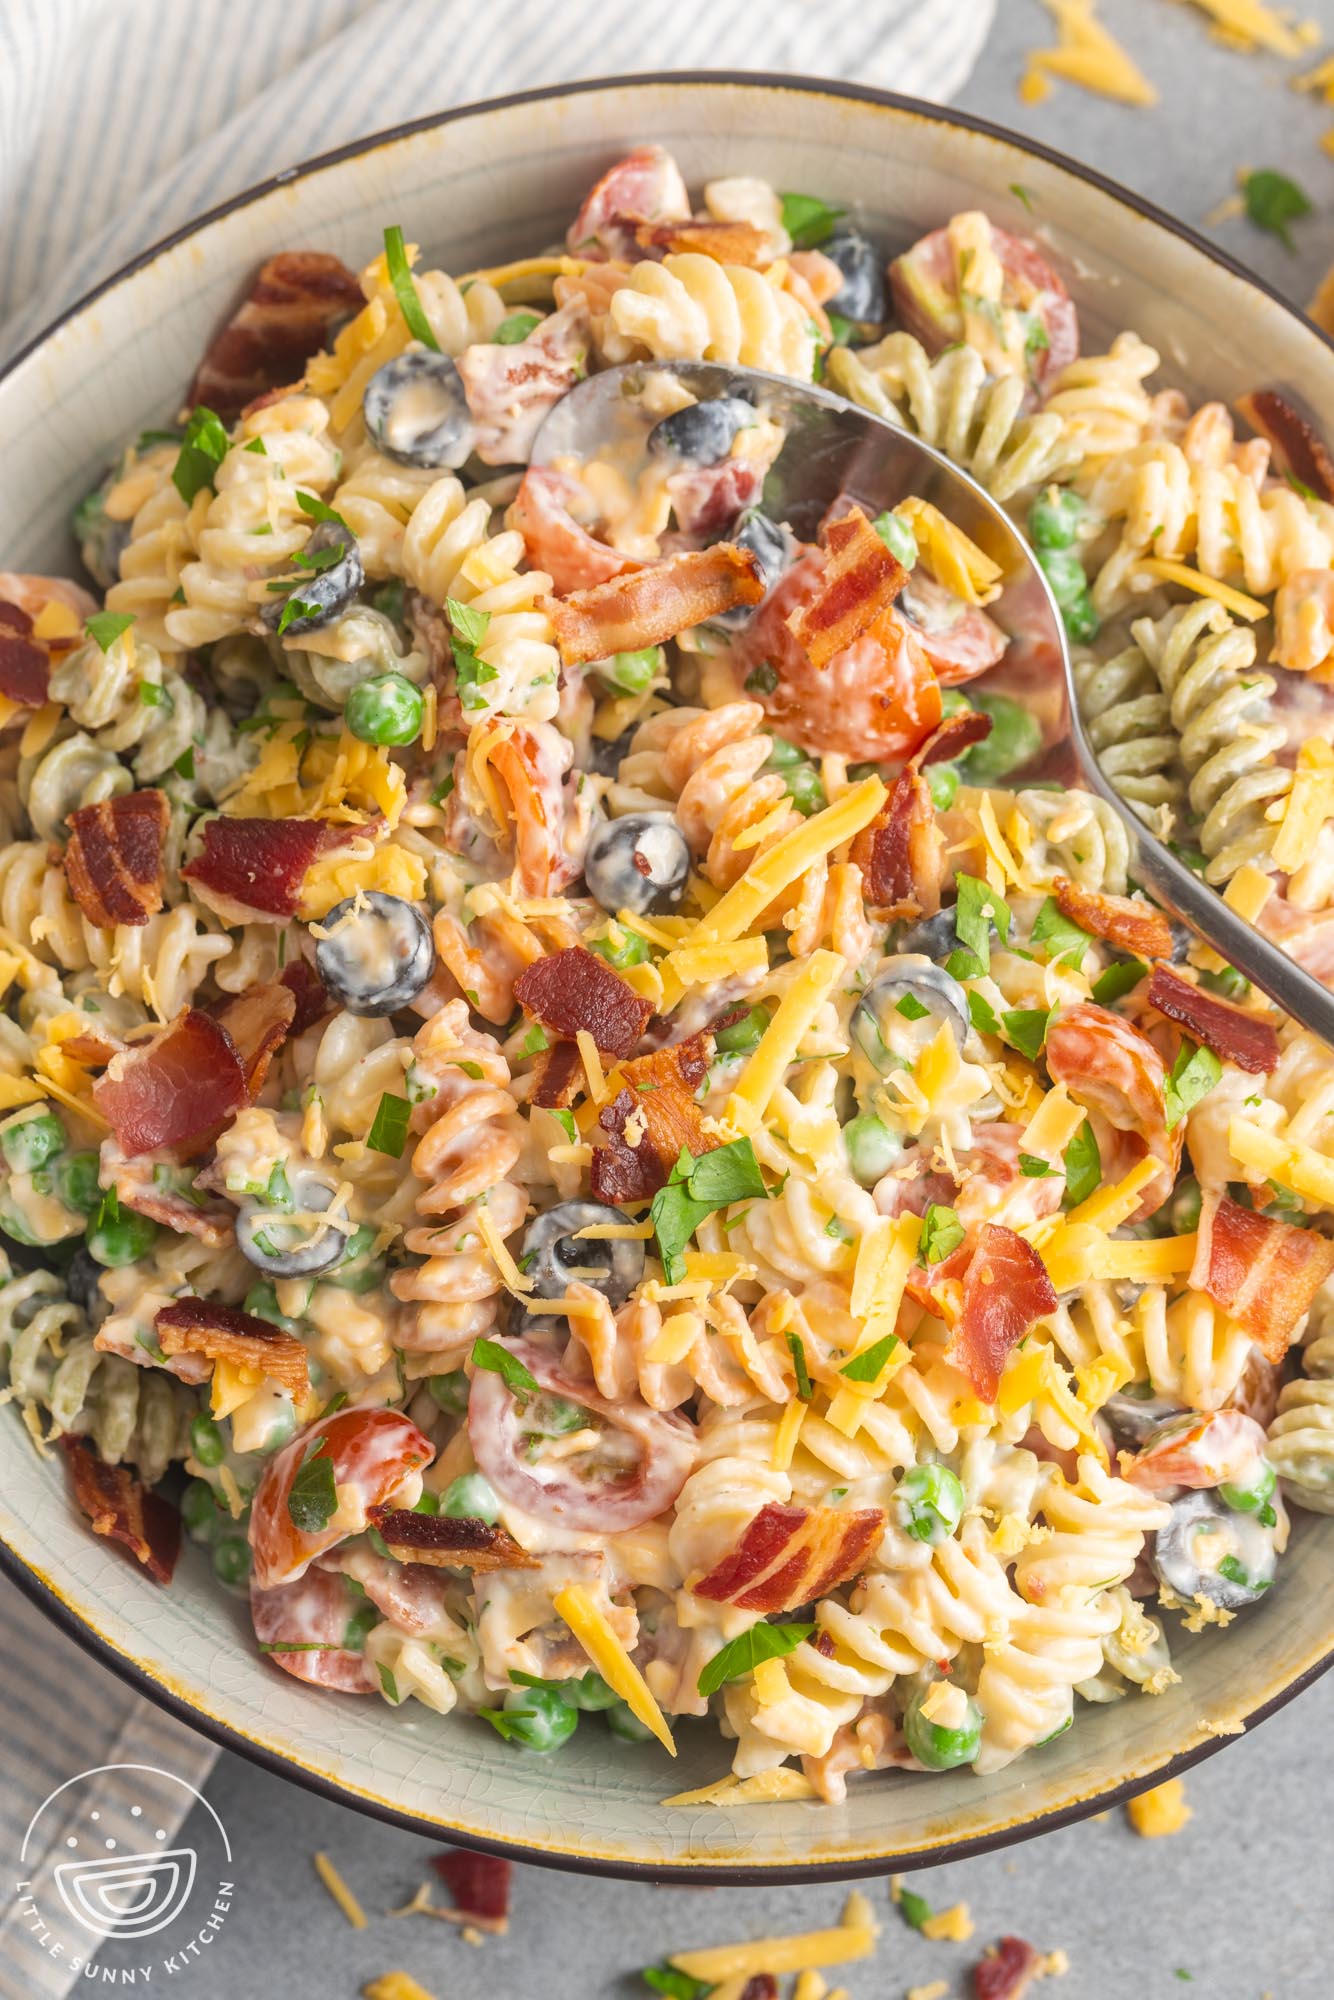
x=395, y=1986
x=1249, y=25
x=776, y=1955
x=1087, y=55
x=340, y=1892
x=951, y=1926
x=1161, y=1811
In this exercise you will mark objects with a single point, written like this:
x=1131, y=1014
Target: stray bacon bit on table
x=861, y=579
x=574, y=990
x=1007, y=1970
x=1232, y=1033
x=1123, y=920
x=653, y=604
x=1263, y=1272
x=118, y=1505
x=175, y=1090
x=1298, y=447
x=225, y=1333
x=455, y=1541
x=114, y=859
x=295, y=301
x=650, y=1119
x=791, y=1555
x=256, y=866
x=1005, y=1291
x=479, y=1886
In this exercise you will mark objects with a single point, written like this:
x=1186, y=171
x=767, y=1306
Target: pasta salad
x=581, y=1103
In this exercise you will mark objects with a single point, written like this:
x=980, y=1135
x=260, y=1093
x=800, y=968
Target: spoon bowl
x=833, y=448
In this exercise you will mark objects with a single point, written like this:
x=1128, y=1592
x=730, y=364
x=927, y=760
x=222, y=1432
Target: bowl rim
x=44, y=1592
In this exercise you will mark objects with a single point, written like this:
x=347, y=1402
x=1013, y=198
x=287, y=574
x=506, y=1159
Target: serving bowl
x=472, y=187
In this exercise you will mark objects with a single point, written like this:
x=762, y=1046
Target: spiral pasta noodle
x=690, y=308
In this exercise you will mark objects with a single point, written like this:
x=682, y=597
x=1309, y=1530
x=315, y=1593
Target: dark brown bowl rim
x=741, y=1875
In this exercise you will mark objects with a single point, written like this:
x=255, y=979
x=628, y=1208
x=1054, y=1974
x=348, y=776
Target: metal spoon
x=834, y=447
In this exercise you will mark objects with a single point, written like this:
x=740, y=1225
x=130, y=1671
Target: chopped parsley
x=1032, y=1168
x=203, y=449
x=107, y=626
x=515, y=329
x=978, y=908
x=498, y=1360
x=1273, y=202
x=942, y=1232
x=468, y=628
x=1026, y=1028
x=866, y=1366
x=797, y=1349
x=312, y=1499
x=1083, y=1167
x=389, y=1127
x=1194, y=1074
x=743, y=1654
x=1062, y=938
x=1118, y=980
x=697, y=1188
x=808, y=220
x=405, y=291
x=762, y=679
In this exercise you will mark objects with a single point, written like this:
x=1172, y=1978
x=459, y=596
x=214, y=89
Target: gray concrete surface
x=1237, y=1907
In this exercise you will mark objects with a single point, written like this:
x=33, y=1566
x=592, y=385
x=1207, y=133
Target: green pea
x=32, y=1141
x=934, y=1745
x=805, y=788
x=122, y=1241
x=782, y=754
x=356, y=1271
x=1065, y=573
x=1251, y=1493
x=427, y=1502
x=1184, y=1210
x=1082, y=622
x=470, y=1497
x=1054, y=519
x=538, y=1718
x=389, y=599
x=954, y=702
x=76, y=1181
x=590, y=1693
x=929, y=1502
x=449, y=1392
x=199, y=1509
x=231, y=1559
x=1052, y=1734
x=363, y=1619
x=206, y=1440
x=871, y=1147
x=898, y=537
x=261, y=1301
x=631, y=673
x=1016, y=736
x=385, y=709
x=743, y=1035
x=554, y=1416
x=280, y=1430
x=942, y=781
x=1227, y=981
x=623, y=1722
x=632, y=950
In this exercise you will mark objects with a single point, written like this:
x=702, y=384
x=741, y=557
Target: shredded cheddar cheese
x=1088, y=55
x=574, y=1604
x=340, y=1892
x=1161, y=1811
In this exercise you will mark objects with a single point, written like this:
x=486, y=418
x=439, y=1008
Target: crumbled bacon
x=574, y=989
x=113, y=861
x=760, y=1986
x=558, y=1076
x=952, y=737
x=658, y=1094
x=1298, y=448
x=646, y=186
x=225, y=1333
x=447, y=1540
x=479, y=1887
x=727, y=242
x=15, y=617
x=255, y=867
x=139, y=1185
x=1263, y=1272
x=510, y=389
x=303, y=982
x=1239, y=1037
x=258, y=1022
x=792, y=1555
x=25, y=664
x=296, y=299
x=554, y=541
x=1005, y=1291
x=860, y=580
x=1124, y=921
x=118, y=1505
x=176, y=1089
x=654, y=604
x=1006, y=1971
x=902, y=852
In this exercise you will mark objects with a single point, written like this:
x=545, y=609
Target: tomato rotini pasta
x=582, y=1106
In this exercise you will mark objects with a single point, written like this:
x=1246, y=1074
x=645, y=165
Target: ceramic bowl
x=472, y=187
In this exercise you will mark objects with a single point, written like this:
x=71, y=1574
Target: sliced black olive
x=282, y=1247
x=772, y=547
x=554, y=1255
x=606, y=757
x=102, y=541
x=80, y=1278
x=1133, y=1418
x=416, y=410
x=638, y=863
x=861, y=296
x=702, y=433
x=377, y=953
x=323, y=588
x=905, y=1004
x=1207, y=1550
x=934, y=937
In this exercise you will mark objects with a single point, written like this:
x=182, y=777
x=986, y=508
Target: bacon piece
x=728, y=242
x=861, y=579
x=1123, y=920
x=206, y=1217
x=303, y=982
x=659, y=1094
x=252, y=867
x=1120, y=1078
x=447, y=1540
x=1263, y=1272
x=653, y=604
x=510, y=389
x=1005, y=1291
x=258, y=1022
x=760, y=1986
x=113, y=862
x=296, y=299
x=646, y=186
x=479, y=1888
x=555, y=542
x=558, y=1076
x=1298, y=448
x=574, y=989
x=790, y=1555
x=15, y=618
x=954, y=735
x=225, y=1333
x=118, y=1505
x=1199, y=1450
x=25, y=664
x=1006, y=1971
x=1239, y=1037
x=902, y=852
x=175, y=1089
